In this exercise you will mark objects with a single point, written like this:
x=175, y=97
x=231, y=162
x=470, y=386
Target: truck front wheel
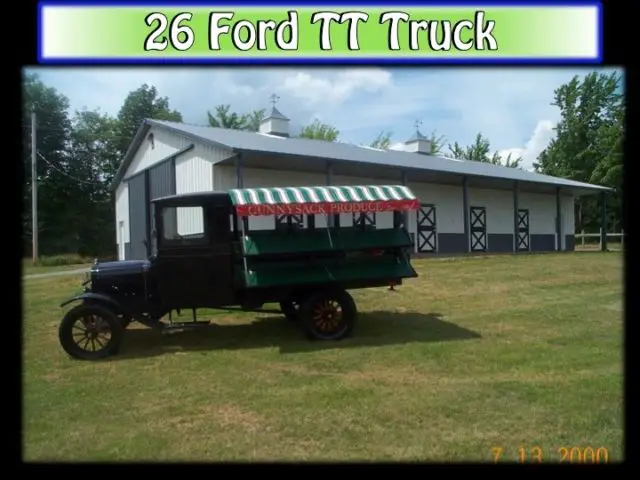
x=90, y=331
x=328, y=315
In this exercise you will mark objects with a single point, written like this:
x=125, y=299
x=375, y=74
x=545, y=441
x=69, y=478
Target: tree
x=254, y=119
x=382, y=141
x=52, y=136
x=236, y=121
x=319, y=131
x=224, y=119
x=588, y=142
x=139, y=104
x=437, y=142
x=93, y=161
x=479, y=150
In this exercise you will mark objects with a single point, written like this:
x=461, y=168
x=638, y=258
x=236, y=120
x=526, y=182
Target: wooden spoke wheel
x=328, y=315
x=90, y=332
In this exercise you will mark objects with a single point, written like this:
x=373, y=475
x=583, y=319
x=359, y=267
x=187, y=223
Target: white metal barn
x=466, y=206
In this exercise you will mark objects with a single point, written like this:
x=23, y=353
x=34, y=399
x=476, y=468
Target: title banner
x=166, y=33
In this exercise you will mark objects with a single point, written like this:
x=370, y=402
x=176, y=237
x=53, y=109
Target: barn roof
x=247, y=141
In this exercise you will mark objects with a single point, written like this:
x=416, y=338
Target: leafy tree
x=223, y=118
x=52, y=135
x=479, y=150
x=437, y=142
x=588, y=142
x=319, y=131
x=93, y=162
x=382, y=141
x=254, y=119
x=142, y=103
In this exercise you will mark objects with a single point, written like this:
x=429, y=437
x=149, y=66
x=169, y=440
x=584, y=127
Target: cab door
x=194, y=262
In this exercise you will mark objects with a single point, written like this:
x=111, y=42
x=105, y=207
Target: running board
x=181, y=326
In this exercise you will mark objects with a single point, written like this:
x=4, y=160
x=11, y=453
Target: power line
x=66, y=174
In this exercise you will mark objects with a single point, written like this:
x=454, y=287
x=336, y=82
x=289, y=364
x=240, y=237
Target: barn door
x=522, y=236
x=289, y=221
x=426, y=228
x=161, y=184
x=364, y=219
x=138, y=217
x=478, y=219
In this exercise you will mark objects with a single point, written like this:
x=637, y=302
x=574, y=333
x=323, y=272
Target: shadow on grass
x=372, y=329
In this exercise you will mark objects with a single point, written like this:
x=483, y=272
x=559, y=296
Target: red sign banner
x=325, y=208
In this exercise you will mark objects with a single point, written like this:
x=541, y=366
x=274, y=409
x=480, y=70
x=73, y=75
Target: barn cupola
x=275, y=123
x=418, y=143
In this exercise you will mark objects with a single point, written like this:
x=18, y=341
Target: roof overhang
x=130, y=153
x=291, y=162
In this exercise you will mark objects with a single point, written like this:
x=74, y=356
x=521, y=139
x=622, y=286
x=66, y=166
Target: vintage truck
x=306, y=271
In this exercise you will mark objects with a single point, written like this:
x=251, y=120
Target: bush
x=59, y=260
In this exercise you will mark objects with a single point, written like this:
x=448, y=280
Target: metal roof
x=242, y=140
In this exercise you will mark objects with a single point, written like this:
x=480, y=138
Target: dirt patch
x=615, y=306
x=226, y=416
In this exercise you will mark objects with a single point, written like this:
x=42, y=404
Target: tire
x=290, y=309
x=97, y=347
x=328, y=315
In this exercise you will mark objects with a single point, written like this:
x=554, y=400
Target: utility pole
x=34, y=190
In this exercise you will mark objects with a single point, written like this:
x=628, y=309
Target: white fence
x=581, y=237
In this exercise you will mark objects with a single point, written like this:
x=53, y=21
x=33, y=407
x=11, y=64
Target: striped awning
x=322, y=200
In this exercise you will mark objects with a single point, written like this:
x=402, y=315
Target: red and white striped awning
x=322, y=200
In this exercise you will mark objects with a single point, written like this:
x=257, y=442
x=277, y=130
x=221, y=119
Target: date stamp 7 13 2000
x=583, y=455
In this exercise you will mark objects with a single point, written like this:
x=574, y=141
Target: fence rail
x=583, y=236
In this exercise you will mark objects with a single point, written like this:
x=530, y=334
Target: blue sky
x=510, y=106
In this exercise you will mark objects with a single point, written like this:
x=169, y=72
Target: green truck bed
x=267, y=265
x=266, y=242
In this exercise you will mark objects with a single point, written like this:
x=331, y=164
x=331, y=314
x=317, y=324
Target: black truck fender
x=96, y=298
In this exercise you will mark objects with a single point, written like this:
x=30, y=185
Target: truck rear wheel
x=328, y=315
x=90, y=332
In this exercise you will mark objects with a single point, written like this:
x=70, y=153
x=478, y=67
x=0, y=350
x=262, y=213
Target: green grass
x=475, y=354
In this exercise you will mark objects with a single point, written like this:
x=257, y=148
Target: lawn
x=38, y=269
x=478, y=353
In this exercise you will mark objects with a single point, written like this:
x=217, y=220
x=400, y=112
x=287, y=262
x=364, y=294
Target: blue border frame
x=327, y=60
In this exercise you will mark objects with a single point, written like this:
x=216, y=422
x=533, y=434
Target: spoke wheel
x=328, y=315
x=90, y=332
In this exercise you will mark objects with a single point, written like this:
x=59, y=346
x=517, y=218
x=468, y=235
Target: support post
x=465, y=208
x=405, y=215
x=603, y=221
x=243, y=222
x=331, y=219
x=34, y=190
x=558, y=222
x=516, y=208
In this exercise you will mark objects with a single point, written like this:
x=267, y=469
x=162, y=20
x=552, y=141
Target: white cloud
x=322, y=90
x=542, y=135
